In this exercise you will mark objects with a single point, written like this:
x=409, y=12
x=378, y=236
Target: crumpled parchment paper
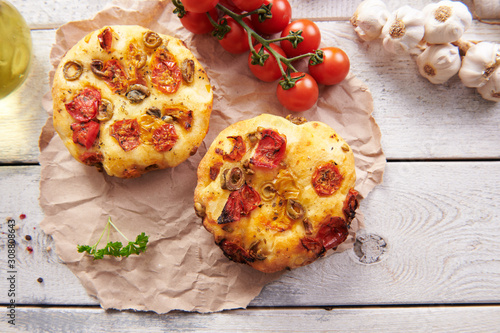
x=182, y=268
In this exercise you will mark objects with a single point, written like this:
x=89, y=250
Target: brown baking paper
x=182, y=267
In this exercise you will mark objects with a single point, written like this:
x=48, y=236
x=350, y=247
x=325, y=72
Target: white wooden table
x=438, y=209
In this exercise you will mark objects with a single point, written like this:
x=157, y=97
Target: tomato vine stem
x=252, y=35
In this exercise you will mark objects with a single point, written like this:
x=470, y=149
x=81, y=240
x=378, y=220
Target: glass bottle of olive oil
x=15, y=49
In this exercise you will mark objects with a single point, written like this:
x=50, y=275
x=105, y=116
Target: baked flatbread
x=277, y=193
x=129, y=100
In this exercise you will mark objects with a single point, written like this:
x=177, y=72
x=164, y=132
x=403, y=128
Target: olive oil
x=15, y=49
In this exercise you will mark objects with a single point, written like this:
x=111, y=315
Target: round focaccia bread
x=129, y=100
x=277, y=193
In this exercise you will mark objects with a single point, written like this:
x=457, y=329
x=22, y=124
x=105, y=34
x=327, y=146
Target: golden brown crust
x=293, y=221
x=171, y=124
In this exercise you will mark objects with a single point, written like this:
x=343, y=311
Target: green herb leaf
x=116, y=249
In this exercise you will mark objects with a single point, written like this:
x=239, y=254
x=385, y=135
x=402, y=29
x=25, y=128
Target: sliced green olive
x=267, y=191
x=168, y=119
x=152, y=39
x=105, y=110
x=141, y=60
x=154, y=111
x=233, y=179
x=256, y=251
x=247, y=167
x=137, y=93
x=308, y=228
x=72, y=70
x=96, y=67
x=296, y=119
x=199, y=209
x=294, y=210
x=187, y=70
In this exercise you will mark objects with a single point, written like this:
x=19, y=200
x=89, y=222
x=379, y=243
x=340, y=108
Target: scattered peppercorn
x=27, y=237
x=40, y=280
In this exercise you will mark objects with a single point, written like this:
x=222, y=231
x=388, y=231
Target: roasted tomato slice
x=240, y=203
x=164, y=137
x=126, y=132
x=235, y=252
x=270, y=150
x=105, y=39
x=332, y=232
x=350, y=205
x=326, y=179
x=91, y=158
x=239, y=149
x=85, y=105
x=115, y=76
x=183, y=117
x=85, y=133
x=214, y=170
x=312, y=245
x=166, y=74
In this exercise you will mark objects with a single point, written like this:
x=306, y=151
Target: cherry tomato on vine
x=236, y=40
x=300, y=97
x=270, y=71
x=310, y=33
x=199, y=6
x=198, y=23
x=282, y=13
x=248, y=5
x=333, y=69
x=229, y=4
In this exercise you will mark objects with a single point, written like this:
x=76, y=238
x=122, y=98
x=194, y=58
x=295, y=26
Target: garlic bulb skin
x=404, y=30
x=369, y=19
x=438, y=63
x=446, y=21
x=491, y=89
x=479, y=63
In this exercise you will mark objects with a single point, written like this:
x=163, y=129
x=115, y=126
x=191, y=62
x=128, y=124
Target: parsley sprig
x=115, y=249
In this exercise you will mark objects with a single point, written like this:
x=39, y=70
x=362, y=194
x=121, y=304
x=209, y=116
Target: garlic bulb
x=438, y=63
x=446, y=21
x=491, y=89
x=369, y=19
x=404, y=30
x=479, y=63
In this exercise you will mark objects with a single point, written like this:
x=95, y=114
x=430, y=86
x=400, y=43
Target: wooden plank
x=57, y=12
x=52, y=14
x=439, y=220
x=413, y=319
x=407, y=107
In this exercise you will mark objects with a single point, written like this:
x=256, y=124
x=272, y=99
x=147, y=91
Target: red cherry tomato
x=310, y=33
x=270, y=71
x=198, y=23
x=326, y=179
x=300, y=97
x=282, y=14
x=333, y=232
x=236, y=40
x=85, y=105
x=164, y=137
x=333, y=69
x=199, y=6
x=248, y=5
x=85, y=133
x=231, y=6
x=240, y=203
x=270, y=151
x=127, y=133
